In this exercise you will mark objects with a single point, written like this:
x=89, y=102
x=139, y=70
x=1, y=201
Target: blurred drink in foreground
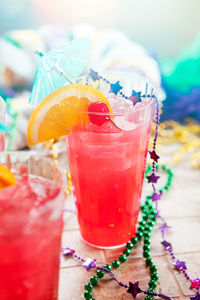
x=30, y=230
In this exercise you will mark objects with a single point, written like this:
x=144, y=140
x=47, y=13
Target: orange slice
x=61, y=112
x=6, y=177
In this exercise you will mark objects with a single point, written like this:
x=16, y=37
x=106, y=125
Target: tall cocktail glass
x=30, y=229
x=107, y=165
x=2, y=120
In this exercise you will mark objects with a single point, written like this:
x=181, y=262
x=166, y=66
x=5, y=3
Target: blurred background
x=158, y=40
x=163, y=27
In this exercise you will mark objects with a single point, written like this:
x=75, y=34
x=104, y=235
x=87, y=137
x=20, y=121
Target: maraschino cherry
x=98, y=113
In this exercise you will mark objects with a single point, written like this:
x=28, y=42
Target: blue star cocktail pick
x=135, y=97
x=115, y=87
x=94, y=75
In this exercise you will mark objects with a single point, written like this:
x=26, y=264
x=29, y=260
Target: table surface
x=181, y=207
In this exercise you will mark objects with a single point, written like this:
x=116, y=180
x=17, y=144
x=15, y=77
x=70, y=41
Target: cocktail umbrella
x=59, y=67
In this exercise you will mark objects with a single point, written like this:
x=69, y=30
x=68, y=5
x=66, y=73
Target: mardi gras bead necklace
x=184, y=139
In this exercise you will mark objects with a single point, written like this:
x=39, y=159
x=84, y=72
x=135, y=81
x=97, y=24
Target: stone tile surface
x=181, y=208
x=72, y=239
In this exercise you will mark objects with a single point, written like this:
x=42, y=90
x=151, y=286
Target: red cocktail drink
x=30, y=234
x=107, y=164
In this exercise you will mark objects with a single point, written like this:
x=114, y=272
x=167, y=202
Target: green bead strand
x=87, y=295
x=94, y=280
x=88, y=287
x=122, y=258
x=115, y=264
x=129, y=245
x=154, y=276
x=127, y=252
x=100, y=273
x=108, y=267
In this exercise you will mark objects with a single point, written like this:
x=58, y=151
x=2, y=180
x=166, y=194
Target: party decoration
x=153, y=178
x=196, y=297
x=89, y=263
x=58, y=67
x=94, y=75
x=135, y=97
x=17, y=60
x=134, y=289
x=154, y=155
x=156, y=196
x=195, y=283
x=180, y=265
x=181, y=81
x=164, y=228
x=115, y=87
x=67, y=251
x=184, y=139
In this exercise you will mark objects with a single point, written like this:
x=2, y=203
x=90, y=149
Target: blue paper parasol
x=59, y=67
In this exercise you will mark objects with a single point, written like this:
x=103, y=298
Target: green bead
x=148, y=297
x=142, y=207
x=161, y=191
x=146, y=248
x=152, y=212
x=149, y=261
x=147, y=228
x=169, y=172
x=154, y=276
x=148, y=197
x=100, y=273
x=134, y=240
x=108, y=267
x=122, y=258
x=146, y=254
x=153, y=269
x=145, y=216
x=151, y=223
x=129, y=245
x=127, y=252
x=142, y=223
x=153, y=218
x=87, y=295
x=147, y=241
x=150, y=290
x=147, y=234
x=141, y=228
x=152, y=284
x=139, y=235
x=148, y=203
x=115, y=264
x=93, y=280
x=88, y=287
